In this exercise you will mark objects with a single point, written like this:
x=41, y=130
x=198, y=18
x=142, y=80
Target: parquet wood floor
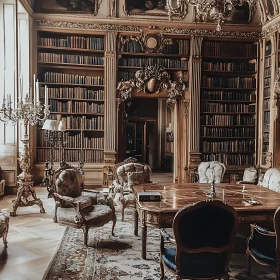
x=32, y=240
x=33, y=237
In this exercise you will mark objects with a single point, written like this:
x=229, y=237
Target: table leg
x=136, y=223
x=144, y=241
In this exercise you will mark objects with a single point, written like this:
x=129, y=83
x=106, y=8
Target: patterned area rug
x=119, y=257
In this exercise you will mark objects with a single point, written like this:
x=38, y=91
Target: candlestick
x=37, y=91
x=45, y=94
x=34, y=89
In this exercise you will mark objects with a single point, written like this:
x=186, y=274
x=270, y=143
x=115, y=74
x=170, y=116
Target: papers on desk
x=251, y=202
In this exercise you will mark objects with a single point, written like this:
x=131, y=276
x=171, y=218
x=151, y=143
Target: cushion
x=69, y=183
x=211, y=171
x=271, y=179
x=250, y=175
x=135, y=178
x=85, y=200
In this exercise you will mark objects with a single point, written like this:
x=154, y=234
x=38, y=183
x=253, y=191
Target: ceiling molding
x=27, y=7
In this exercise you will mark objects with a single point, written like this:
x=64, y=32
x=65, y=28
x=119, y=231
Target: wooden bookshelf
x=228, y=103
x=266, y=102
x=72, y=66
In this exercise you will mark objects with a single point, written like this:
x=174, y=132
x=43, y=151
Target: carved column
x=194, y=114
x=110, y=100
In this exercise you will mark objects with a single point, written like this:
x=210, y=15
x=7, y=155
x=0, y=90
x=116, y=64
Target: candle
x=37, y=91
x=34, y=89
x=45, y=94
x=223, y=194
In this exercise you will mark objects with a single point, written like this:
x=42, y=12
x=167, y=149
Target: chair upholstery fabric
x=199, y=229
x=74, y=208
x=128, y=174
x=4, y=226
x=271, y=179
x=209, y=171
x=264, y=246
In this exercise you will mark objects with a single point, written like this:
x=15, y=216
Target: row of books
x=266, y=92
x=73, y=92
x=230, y=159
x=76, y=107
x=228, y=95
x=267, y=72
x=266, y=104
x=227, y=120
x=229, y=49
x=267, y=81
x=55, y=77
x=79, y=42
x=89, y=156
x=71, y=122
x=265, y=147
x=228, y=66
x=229, y=146
x=266, y=127
x=74, y=141
x=177, y=47
x=142, y=62
x=70, y=58
x=267, y=62
x=227, y=132
x=126, y=75
x=266, y=136
x=266, y=117
x=227, y=107
x=226, y=82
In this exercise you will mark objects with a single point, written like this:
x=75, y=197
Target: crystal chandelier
x=215, y=10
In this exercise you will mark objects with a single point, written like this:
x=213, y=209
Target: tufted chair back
x=271, y=179
x=211, y=171
x=133, y=173
x=69, y=182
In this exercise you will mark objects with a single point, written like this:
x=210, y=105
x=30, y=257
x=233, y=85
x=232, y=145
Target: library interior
x=139, y=139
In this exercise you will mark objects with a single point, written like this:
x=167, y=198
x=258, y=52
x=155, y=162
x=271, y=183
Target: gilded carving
x=196, y=58
x=109, y=159
x=149, y=43
x=268, y=159
x=110, y=54
x=152, y=80
x=276, y=95
x=77, y=25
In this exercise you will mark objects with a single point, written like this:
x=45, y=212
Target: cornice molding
x=27, y=7
x=131, y=28
x=271, y=27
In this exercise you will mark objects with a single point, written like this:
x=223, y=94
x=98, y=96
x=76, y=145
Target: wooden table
x=175, y=196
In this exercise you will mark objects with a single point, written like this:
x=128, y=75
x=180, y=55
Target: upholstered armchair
x=271, y=179
x=126, y=176
x=203, y=241
x=76, y=208
x=2, y=183
x=250, y=176
x=264, y=246
x=212, y=171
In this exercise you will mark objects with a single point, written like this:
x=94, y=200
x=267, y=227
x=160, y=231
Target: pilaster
x=110, y=97
x=194, y=114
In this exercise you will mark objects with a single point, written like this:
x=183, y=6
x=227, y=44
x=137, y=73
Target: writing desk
x=175, y=196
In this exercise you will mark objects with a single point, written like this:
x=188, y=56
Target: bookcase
x=228, y=103
x=72, y=67
x=266, y=102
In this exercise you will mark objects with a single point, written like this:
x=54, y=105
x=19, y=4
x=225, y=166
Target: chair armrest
x=244, y=182
x=167, y=237
x=64, y=198
x=261, y=230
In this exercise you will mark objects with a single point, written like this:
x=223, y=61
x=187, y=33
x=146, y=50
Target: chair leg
x=248, y=263
x=161, y=270
x=278, y=273
x=178, y=277
x=85, y=230
x=114, y=223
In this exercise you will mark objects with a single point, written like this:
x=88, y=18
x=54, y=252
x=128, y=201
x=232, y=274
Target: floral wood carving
x=149, y=43
x=152, y=80
x=276, y=94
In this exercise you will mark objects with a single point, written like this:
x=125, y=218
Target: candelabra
x=54, y=133
x=28, y=111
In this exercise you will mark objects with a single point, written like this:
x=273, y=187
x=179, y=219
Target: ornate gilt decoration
x=268, y=159
x=88, y=26
x=179, y=11
x=149, y=43
x=4, y=226
x=152, y=80
x=219, y=10
x=276, y=94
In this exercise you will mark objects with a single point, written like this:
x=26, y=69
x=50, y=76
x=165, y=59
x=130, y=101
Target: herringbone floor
x=32, y=240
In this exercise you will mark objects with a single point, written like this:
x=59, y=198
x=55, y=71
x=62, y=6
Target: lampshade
x=60, y=126
x=50, y=125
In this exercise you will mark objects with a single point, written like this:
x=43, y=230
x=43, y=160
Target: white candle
x=37, y=91
x=21, y=90
x=34, y=88
x=45, y=94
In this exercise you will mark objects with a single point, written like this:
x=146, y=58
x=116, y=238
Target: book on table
x=149, y=196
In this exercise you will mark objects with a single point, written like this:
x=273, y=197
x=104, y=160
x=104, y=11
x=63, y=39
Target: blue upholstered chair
x=264, y=245
x=203, y=241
